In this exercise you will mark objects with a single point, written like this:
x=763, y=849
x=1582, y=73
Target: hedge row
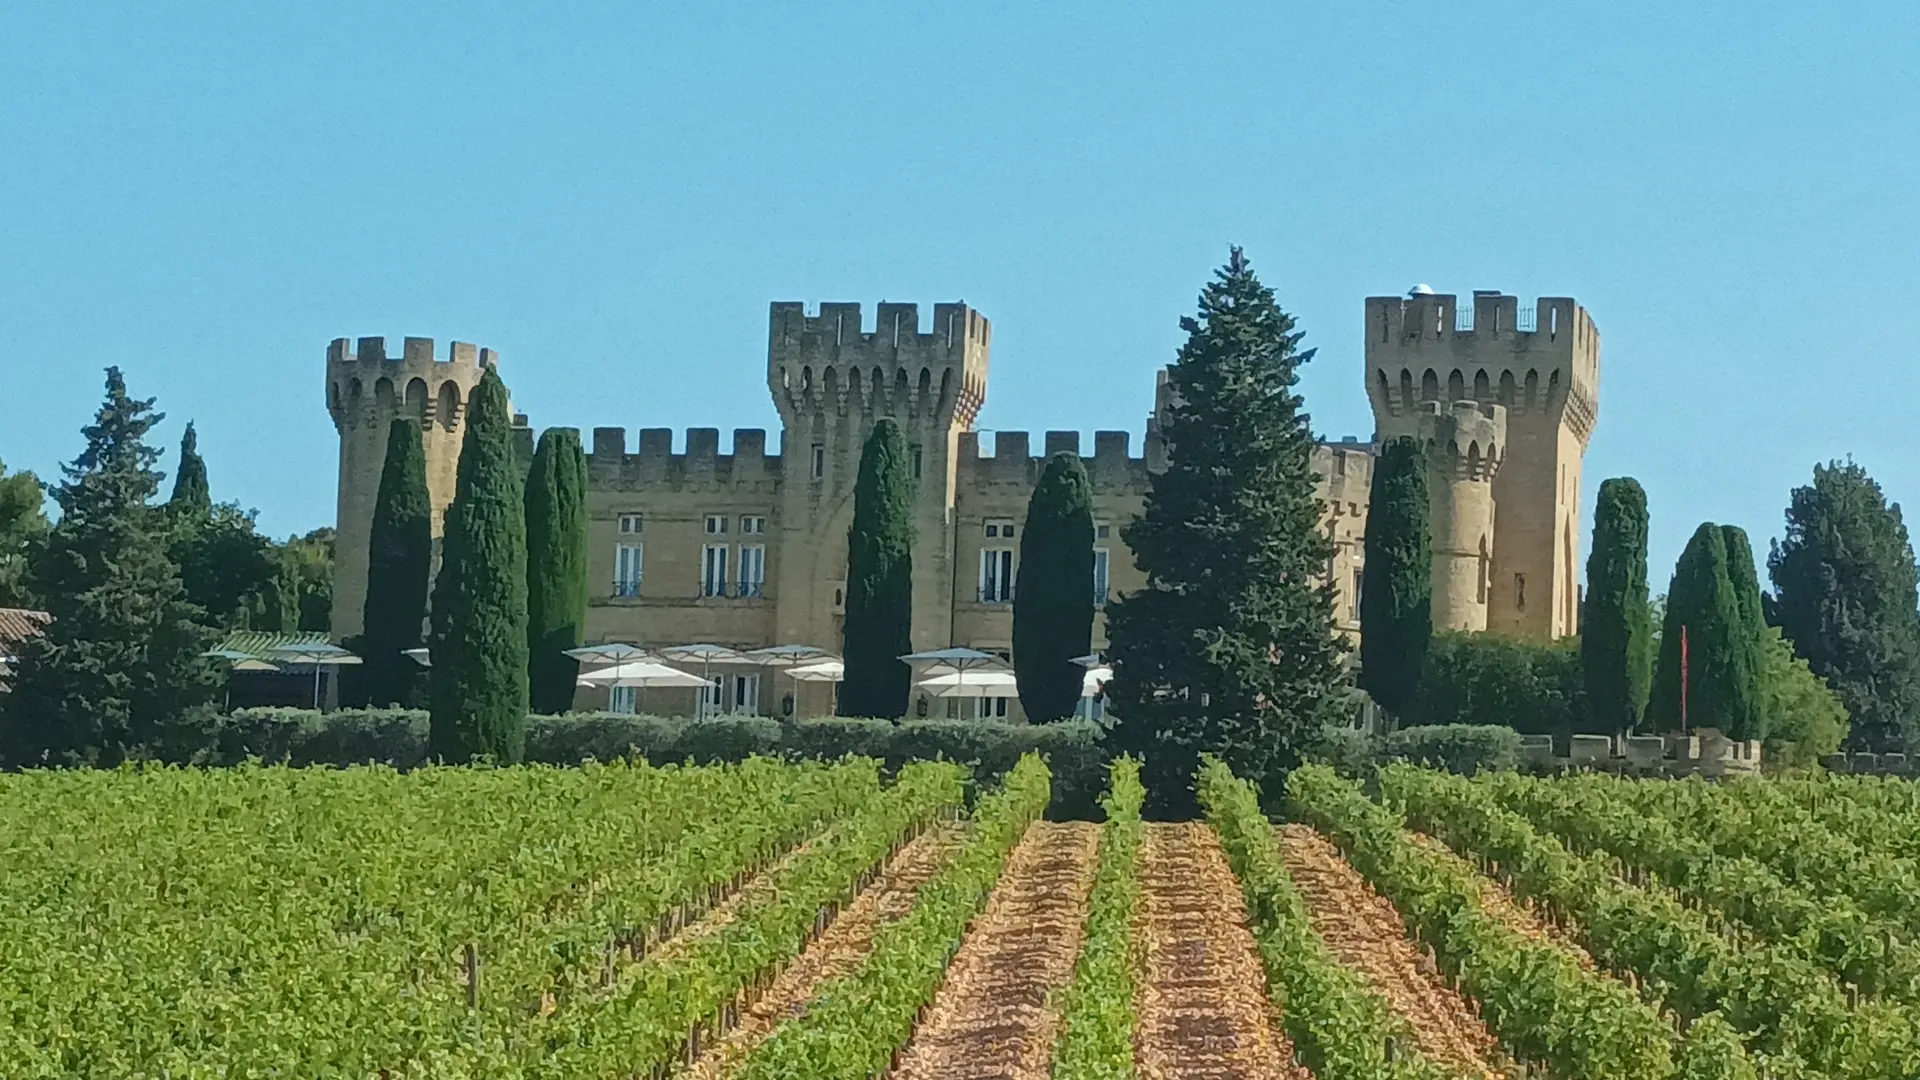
x=398, y=737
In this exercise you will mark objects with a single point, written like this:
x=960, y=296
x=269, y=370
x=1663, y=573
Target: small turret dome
x=1420, y=290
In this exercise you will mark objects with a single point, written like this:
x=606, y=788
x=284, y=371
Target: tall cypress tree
x=1722, y=676
x=118, y=674
x=1396, y=582
x=399, y=568
x=1844, y=586
x=556, y=567
x=879, y=620
x=1616, y=632
x=190, y=479
x=1229, y=648
x=479, y=678
x=1053, y=591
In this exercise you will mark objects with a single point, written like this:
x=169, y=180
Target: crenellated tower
x=832, y=377
x=366, y=390
x=1463, y=442
x=1541, y=365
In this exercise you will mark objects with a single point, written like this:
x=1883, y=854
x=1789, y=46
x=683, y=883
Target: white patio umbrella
x=318, y=653
x=421, y=656
x=639, y=674
x=827, y=671
x=1094, y=682
x=790, y=657
x=609, y=652
x=706, y=656
x=976, y=683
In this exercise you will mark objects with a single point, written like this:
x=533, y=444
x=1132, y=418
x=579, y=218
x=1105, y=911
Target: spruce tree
x=478, y=684
x=1396, y=582
x=190, y=479
x=1844, y=587
x=118, y=674
x=556, y=568
x=879, y=620
x=1722, y=676
x=399, y=566
x=1616, y=631
x=1229, y=648
x=1053, y=591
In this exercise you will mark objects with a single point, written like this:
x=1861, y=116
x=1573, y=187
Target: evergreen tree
x=1053, y=591
x=399, y=565
x=301, y=597
x=118, y=673
x=1723, y=677
x=226, y=566
x=1616, y=630
x=478, y=682
x=23, y=528
x=1229, y=648
x=190, y=479
x=879, y=621
x=1396, y=582
x=556, y=568
x=1844, y=586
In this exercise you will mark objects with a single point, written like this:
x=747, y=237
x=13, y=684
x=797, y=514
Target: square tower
x=1542, y=364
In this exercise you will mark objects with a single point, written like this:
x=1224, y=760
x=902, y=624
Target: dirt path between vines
x=1364, y=932
x=1496, y=901
x=1201, y=1005
x=994, y=1016
x=838, y=951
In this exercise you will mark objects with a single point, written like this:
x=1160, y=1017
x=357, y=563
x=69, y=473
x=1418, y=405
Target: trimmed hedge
x=1464, y=749
x=398, y=737
x=1533, y=687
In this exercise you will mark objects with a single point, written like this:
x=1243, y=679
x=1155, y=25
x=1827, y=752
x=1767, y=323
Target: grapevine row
x=1342, y=1029
x=1096, y=1027
x=855, y=1026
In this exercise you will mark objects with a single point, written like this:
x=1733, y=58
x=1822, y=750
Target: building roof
x=259, y=643
x=19, y=624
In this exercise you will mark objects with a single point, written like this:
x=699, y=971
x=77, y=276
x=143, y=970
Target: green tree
x=399, y=569
x=301, y=597
x=1722, y=677
x=1483, y=678
x=479, y=679
x=1844, y=586
x=23, y=528
x=1229, y=647
x=879, y=620
x=118, y=674
x=190, y=479
x=1396, y=582
x=1806, y=720
x=1053, y=591
x=556, y=567
x=1616, y=629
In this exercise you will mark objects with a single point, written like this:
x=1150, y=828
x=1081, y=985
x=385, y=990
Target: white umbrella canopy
x=422, y=656
x=318, y=653
x=1094, y=682
x=706, y=656
x=976, y=683
x=824, y=671
x=640, y=673
x=609, y=652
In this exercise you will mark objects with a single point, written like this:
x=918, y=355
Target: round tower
x=366, y=390
x=1464, y=442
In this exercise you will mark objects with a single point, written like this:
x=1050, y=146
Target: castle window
x=623, y=700
x=716, y=524
x=629, y=524
x=713, y=570
x=993, y=708
x=753, y=526
x=996, y=575
x=626, y=570
x=1099, y=577
x=915, y=450
x=1102, y=531
x=753, y=569
x=1520, y=592
x=819, y=461
x=999, y=529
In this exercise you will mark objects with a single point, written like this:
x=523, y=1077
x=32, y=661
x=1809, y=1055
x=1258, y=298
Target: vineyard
x=770, y=920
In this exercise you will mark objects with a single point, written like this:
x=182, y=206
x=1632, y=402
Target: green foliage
x=1396, y=589
x=1340, y=1027
x=556, y=567
x=1053, y=592
x=190, y=491
x=226, y=567
x=118, y=673
x=399, y=563
x=1466, y=749
x=479, y=678
x=1533, y=687
x=23, y=528
x=1616, y=627
x=1806, y=719
x=301, y=595
x=1096, y=1014
x=879, y=621
x=1229, y=647
x=1845, y=595
x=1723, y=687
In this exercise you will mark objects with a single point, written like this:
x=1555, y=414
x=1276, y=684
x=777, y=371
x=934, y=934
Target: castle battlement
x=1112, y=466
x=831, y=362
x=653, y=462
x=1552, y=324
x=1463, y=438
x=839, y=331
x=414, y=351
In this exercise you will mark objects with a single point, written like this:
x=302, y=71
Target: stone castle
x=748, y=548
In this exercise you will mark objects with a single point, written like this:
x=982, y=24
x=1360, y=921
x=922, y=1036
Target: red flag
x=1683, y=677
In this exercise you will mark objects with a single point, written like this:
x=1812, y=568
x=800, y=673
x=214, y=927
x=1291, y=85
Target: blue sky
x=610, y=194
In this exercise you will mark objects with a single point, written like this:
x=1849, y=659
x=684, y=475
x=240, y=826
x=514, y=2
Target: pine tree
x=556, y=567
x=399, y=566
x=190, y=479
x=118, y=673
x=1396, y=584
x=23, y=528
x=879, y=621
x=1053, y=591
x=1229, y=648
x=1844, y=587
x=1616, y=630
x=478, y=684
x=1722, y=677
